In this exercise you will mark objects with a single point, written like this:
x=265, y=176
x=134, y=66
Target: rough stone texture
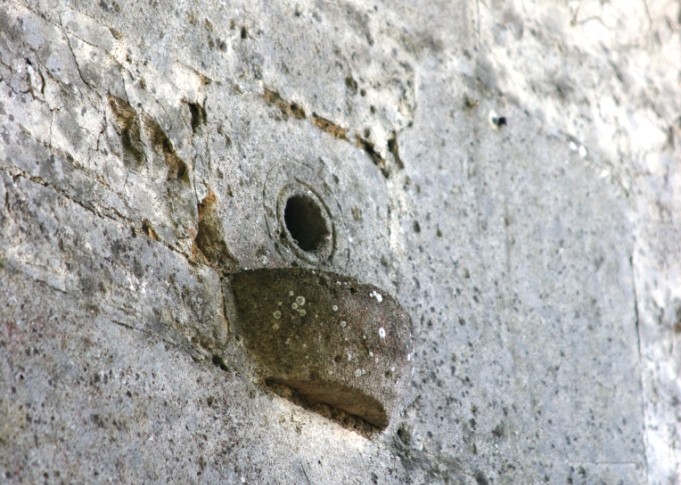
x=509, y=171
x=333, y=340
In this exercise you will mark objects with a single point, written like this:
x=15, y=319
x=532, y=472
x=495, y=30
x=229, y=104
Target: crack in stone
x=291, y=109
x=119, y=219
x=73, y=54
x=636, y=300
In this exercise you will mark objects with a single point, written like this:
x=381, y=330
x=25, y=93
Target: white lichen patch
x=343, y=323
x=302, y=312
x=377, y=295
x=276, y=314
x=300, y=300
x=294, y=305
x=381, y=332
x=275, y=326
x=334, y=308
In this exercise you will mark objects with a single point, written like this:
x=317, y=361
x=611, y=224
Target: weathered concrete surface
x=508, y=171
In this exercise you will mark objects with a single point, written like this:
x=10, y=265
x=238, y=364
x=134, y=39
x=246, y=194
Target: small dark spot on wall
x=109, y=6
x=221, y=44
x=287, y=109
x=218, y=361
x=469, y=103
x=244, y=33
x=403, y=435
x=177, y=168
x=480, y=478
x=198, y=115
x=351, y=84
x=148, y=230
x=394, y=150
x=499, y=121
x=116, y=33
x=137, y=268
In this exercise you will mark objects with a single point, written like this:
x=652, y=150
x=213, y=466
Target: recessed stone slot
x=305, y=222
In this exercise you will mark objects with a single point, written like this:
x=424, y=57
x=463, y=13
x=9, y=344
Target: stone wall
x=500, y=178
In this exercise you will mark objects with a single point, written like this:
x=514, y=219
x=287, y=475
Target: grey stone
x=507, y=171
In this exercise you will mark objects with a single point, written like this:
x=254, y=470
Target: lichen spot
x=381, y=332
x=343, y=323
x=277, y=315
x=334, y=308
x=377, y=295
x=300, y=300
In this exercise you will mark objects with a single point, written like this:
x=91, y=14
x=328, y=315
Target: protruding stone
x=349, y=349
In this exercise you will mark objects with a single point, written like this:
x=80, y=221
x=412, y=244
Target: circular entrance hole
x=306, y=223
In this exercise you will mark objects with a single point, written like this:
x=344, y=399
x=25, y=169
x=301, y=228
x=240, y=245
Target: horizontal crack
x=291, y=109
x=143, y=227
x=330, y=127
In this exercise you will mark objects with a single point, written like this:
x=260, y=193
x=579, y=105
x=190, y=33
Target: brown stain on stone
x=210, y=238
x=127, y=125
x=330, y=127
x=287, y=108
x=177, y=168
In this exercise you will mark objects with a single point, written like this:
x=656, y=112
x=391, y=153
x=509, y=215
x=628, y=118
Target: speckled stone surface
x=508, y=171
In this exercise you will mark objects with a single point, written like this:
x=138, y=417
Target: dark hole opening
x=305, y=222
x=219, y=362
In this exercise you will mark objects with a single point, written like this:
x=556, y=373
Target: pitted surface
x=143, y=151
